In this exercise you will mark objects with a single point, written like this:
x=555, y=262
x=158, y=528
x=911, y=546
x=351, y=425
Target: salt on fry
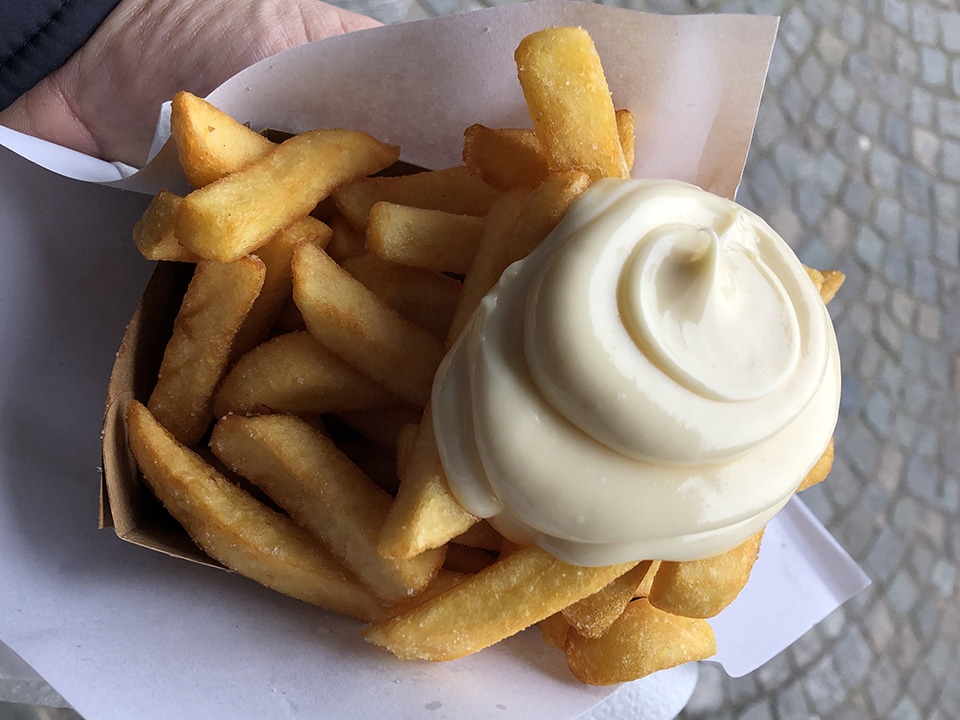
x=293, y=373
x=453, y=190
x=237, y=530
x=574, y=121
x=517, y=591
x=325, y=493
x=362, y=329
x=242, y=211
x=216, y=303
x=642, y=641
x=429, y=239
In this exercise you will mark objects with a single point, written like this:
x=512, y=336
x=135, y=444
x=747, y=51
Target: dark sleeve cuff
x=38, y=37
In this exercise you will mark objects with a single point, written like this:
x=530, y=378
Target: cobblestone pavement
x=856, y=161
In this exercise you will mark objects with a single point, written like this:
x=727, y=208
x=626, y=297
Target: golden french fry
x=569, y=102
x=832, y=280
x=820, y=470
x=815, y=276
x=554, y=630
x=505, y=158
x=423, y=297
x=209, y=142
x=277, y=284
x=429, y=239
x=424, y=514
x=593, y=616
x=362, y=329
x=238, y=531
x=702, y=588
x=453, y=190
x=644, y=589
x=196, y=357
x=445, y=580
x=154, y=232
x=242, y=211
x=627, y=136
x=642, y=641
x=295, y=374
x=318, y=486
x=543, y=210
x=490, y=260
x=481, y=535
x=515, y=592
x=347, y=242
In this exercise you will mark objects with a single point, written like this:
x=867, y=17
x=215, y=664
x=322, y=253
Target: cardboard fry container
x=693, y=84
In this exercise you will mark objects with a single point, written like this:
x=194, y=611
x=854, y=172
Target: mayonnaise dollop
x=653, y=382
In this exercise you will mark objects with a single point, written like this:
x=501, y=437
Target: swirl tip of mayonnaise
x=653, y=382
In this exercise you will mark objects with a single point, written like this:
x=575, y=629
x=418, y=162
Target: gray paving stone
x=902, y=593
x=926, y=24
x=905, y=709
x=759, y=710
x=888, y=551
x=796, y=30
x=887, y=218
x=933, y=67
x=921, y=479
x=926, y=148
x=943, y=578
x=853, y=657
x=896, y=134
x=867, y=117
x=926, y=618
x=928, y=323
x=922, y=103
x=791, y=702
x=921, y=687
x=950, y=160
x=917, y=237
x=950, y=30
x=842, y=93
x=851, y=24
x=824, y=686
x=897, y=13
x=924, y=280
x=906, y=59
x=883, y=169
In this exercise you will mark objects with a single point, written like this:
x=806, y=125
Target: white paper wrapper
x=122, y=632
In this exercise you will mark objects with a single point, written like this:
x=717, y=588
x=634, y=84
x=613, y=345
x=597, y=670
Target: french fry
x=702, y=588
x=490, y=260
x=642, y=641
x=362, y=329
x=424, y=297
x=515, y=592
x=242, y=211
x=306, y=475
x=238, y=531
x=832, y=280
x=154, y=232
x=644, y=589
x=424, y=514
x=818, y=473
x=481, y=535
x=210, y=143
x=575, y=122
x=453, y=190
x=217, y=301
x=277, y=284
x=627, y=135
x=543, y=210
x=816, y=277
x=430, y=239
x=593, y=616
x=293, y=373
x=554, y=630
x=505, y=158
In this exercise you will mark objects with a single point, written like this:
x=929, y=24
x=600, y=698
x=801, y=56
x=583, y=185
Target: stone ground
x=856, y=161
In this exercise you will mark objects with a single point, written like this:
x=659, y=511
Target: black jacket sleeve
x=38, y=36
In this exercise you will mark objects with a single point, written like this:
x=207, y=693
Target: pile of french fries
x=290, y=429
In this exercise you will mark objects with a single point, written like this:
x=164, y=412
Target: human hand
x=105, y=99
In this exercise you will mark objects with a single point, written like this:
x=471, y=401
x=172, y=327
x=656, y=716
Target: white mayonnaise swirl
x=654, y=382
